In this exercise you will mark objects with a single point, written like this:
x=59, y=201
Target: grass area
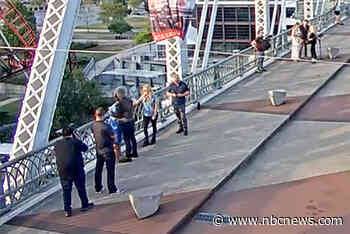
x=137, y=22
x=11, y=109
x=93, y=26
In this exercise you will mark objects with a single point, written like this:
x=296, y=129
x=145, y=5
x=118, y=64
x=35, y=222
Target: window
x=243, y=14
x=290, y=12
x=230, y=32
x=218, y=33
x=243, y=32
x=229, y=14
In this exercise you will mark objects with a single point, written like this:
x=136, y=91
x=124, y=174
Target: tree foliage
x=144, y=37
x=119, y=26
x=113, y=11
x=28, y=15
x=77, y=100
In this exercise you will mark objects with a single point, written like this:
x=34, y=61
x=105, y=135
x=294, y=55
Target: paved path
x=221, y=136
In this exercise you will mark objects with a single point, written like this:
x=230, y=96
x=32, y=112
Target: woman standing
x=149, y=113
x=296, y=42
x=312, y=38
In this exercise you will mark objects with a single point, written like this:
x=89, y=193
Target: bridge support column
x=262, y=16
x=175, y=58
x=44, y=83
x=308, y=9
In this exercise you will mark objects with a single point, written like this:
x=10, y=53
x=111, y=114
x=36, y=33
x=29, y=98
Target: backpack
x=265, y=44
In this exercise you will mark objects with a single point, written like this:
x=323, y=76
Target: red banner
x=169, y=18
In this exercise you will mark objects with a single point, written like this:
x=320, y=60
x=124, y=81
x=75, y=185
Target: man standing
x=104, y=138
x=178, y=90
x=70, y=165
x=304, y=28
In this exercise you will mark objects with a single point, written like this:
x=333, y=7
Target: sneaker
x=180, y=130
x=263, y=69
x=68, y=213
x=313, y=60
x=101, y=190
x=89, y=206
x=117, y=192
x=135, y=155
x=125, y=160
x=259, y=71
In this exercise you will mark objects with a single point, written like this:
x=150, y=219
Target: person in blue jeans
x=70, y=165
x=113, y=122
x=125, y=118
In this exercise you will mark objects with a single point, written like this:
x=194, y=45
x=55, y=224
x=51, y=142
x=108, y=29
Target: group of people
x=303, y=35
x=109, y=129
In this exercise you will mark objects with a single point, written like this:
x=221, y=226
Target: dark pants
x=260, y=55
x=110, y=165
x=67, y=184
x=180, y=111
x=313, y=50
x=146, y=121
x=305, y=49
x=128, y=130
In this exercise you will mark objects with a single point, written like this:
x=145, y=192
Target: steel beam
x=262, y=16
x=39, y=104
x=308, y=9
x=175, y=58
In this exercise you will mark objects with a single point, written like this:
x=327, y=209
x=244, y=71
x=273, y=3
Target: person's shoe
x=89, y=206
x=146, y=143
x=259, y=71
x=180, y=130
x=125, y=160
x=185, y=133
x=313, y=60
x=101, y=190
x=153, y=141
x=341, y=23
x=135, y=155
x=116, y=192
x=68, y=213
x=263, y=69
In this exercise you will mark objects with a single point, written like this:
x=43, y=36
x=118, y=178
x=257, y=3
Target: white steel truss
x=210, y=34
x=175, y=58
x=308, y=9
x=39, y=104
x=262, y=16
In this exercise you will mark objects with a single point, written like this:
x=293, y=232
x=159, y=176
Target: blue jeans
x=128, y=130
x=67, y=184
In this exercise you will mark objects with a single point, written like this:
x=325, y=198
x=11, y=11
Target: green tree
x=134, y=3
x=111, y=11
x=77, y=100
x=119, y=26
x=144, y=37
x=29, y=17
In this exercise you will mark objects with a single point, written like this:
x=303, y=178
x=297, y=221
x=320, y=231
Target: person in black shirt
x=304, y=28
x=312, y=37
x=104, y=137
x=178, y=90
x=70, y=165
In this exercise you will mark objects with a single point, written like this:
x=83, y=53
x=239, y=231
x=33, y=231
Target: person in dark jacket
x=70, y=165
x=259, y=50
x=304, y=28
x=104, y=138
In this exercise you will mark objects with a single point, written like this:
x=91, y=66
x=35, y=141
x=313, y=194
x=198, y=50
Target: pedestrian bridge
x=242, y=156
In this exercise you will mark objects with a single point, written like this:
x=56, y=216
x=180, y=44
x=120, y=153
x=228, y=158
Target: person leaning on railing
x=259, y=50
x=150, y=113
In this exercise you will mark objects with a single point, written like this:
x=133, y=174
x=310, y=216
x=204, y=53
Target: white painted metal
x=43, y=87
x=210, y=34
x=323, y=6
x=175, y=58
x=199, y=36
x=282, y=16
x=317, y=7
x=274, y=16
x=262, y=16
x=308, y=9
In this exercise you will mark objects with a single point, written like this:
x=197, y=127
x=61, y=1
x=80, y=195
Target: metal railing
x=33, y=172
